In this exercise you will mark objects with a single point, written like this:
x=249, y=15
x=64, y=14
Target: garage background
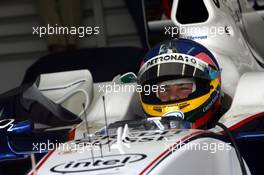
x=19, y=48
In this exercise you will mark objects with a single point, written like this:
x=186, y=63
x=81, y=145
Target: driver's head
x=185, y=82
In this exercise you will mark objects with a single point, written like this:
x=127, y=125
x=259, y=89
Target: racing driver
x=188, y=79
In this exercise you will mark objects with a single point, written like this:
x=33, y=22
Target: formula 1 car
x=131, y=144
x=114, y=138
x=134, y=145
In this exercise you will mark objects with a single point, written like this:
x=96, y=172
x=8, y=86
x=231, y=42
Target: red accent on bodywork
x=245, y=121
x=72, y=134
x=34, y=172
x=167, y=150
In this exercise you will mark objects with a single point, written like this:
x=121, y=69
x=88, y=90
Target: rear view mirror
x=128, y=77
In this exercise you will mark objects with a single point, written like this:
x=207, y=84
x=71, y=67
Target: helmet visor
x=168, y=93
x=174, y=90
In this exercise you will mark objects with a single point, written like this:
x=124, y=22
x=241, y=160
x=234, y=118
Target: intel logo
x=99, y=163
